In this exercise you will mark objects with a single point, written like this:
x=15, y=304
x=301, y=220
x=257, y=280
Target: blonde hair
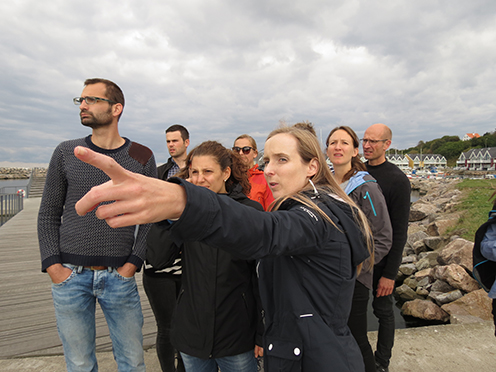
x=309, y=149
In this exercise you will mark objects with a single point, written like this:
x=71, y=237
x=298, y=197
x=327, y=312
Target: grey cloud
x=224, y=68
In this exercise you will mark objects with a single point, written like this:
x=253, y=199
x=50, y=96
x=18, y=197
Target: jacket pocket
x=283, y=355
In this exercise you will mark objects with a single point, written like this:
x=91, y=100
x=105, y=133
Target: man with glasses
x=85, y=258
x=162, y=285
x=396, y=189
x=246, y=146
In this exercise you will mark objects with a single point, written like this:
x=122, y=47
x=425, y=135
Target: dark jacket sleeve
x=252, y=234
x=161, y=250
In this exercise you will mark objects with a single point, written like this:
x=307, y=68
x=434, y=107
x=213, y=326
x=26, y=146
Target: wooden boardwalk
x=27, y=319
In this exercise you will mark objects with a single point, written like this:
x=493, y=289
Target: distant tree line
x=451, y=147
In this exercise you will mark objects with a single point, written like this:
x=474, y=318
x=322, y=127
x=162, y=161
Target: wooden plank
x=27, y=319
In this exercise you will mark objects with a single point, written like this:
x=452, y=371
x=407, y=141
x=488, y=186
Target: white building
x=478, y=159
x=469, y=136
x=418, y=161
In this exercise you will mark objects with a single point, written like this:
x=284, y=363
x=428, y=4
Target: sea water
x=11, y=186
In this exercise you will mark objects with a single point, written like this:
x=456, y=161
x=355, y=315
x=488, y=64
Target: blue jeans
x=244, y=362
x=75, y=301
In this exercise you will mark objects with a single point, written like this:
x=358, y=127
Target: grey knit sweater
x=64, y=236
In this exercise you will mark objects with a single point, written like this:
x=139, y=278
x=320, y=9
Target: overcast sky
x=425, y=68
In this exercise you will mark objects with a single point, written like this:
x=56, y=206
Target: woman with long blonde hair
x=308, y=247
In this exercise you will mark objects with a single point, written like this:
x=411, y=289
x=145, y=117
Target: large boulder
x=441, y=286
x=439, y=227
x=441, y=298
x=426, y=273
x=419, y=246
x=409, y=259
x=407, y=269
x=424, y=309
x=457, y=277
x=411, y=282
x=442, y=202
x=433, y=242
x=406, y=293
x=415, y=227
x=420, y=210
x=416, y=237
x=476, y=303
x=459, y=252
x=427, y=260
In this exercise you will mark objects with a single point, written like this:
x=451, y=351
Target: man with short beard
x=85, y=258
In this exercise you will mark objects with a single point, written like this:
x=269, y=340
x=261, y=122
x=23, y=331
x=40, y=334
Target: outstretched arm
x=137, y=199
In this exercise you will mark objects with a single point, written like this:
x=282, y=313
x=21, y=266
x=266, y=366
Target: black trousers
x=162, y=292
x=494, y=315
x=383, y=310
x=357, y=322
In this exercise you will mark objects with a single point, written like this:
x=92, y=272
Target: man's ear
x=186, y=142
x=117, y=109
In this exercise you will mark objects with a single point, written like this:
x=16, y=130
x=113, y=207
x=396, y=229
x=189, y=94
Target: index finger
x=102, y=162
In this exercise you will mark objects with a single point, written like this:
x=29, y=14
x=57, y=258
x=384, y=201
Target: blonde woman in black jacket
x=308, y=247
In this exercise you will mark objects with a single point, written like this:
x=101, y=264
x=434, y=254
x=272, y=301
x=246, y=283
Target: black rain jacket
x=307, y=271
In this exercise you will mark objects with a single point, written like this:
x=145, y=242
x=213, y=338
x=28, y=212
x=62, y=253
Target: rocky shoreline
x=18, y=173
x=434, y=281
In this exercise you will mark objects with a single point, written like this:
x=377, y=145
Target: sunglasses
x=246, y=150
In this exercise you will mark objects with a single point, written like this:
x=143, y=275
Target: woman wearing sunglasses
x=246, y=146
x=351, y=174
x=308, y=247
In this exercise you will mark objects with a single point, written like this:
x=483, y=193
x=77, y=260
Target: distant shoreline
x=14, y=173
x=13, y=177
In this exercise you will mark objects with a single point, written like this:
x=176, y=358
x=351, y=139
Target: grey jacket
x=364, y=190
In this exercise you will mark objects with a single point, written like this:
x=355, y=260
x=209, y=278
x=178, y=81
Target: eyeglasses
x=90, y=100
x=372, y=142
x=246, y=150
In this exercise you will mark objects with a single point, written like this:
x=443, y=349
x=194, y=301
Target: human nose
x=83, y=102
x=268, y=169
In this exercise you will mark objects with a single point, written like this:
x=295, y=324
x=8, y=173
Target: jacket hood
x=358, y=179
x=346, y=216
x=254, y=170
x=236, y=192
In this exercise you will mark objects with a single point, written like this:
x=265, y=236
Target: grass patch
x=474, y=206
